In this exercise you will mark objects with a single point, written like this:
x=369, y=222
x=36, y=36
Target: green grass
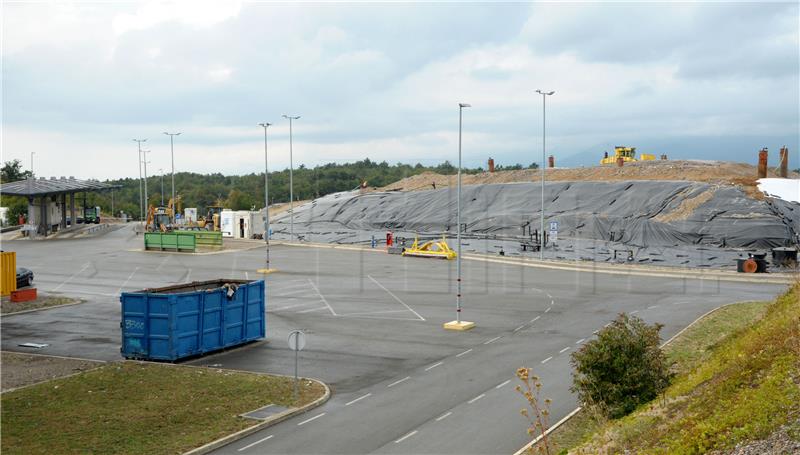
x=744, y=387
x=685, y=352
x=132, y=408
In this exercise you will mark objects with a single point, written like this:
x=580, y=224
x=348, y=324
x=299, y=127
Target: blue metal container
x=175, y=322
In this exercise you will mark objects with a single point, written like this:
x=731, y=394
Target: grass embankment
x=132, y=408
x=738, y=379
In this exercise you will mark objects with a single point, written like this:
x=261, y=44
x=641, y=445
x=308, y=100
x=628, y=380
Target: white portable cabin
x=242, y=225
x=226, y=222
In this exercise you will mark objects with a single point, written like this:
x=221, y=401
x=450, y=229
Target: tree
x=12, y=171
x=621, y=369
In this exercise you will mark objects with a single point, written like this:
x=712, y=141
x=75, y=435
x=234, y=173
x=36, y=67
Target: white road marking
x=492, y=340
x=652, y=306
x=547, y=310
x=395, y=297
x=322, y=297
x=634, y=311
x=535, y=319
x=295, y=305
x=126, y=281
x=444, y=416
x=464, y=353
x=257, y=442
x=564, y=350
x=358, y=399
x=580, y=341
x=677, y=303
x=476, y=398
x=398, y=382
x=85, y=266
x=552, y=302
x=309, y=420
x=502, y=384
x=545, y=360
x=312, y=309
x=433, y=366
x=519, y=328
x=406, y=437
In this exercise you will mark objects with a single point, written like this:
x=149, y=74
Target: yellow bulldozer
x=628, y=154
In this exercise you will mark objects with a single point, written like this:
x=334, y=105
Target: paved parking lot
x=400, y=382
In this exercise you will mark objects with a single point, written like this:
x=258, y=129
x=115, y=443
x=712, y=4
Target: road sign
x=553, y=236
x=297, y=340
x=554, y=225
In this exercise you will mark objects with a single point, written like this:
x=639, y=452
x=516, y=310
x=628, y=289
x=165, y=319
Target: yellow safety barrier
x=8, y=274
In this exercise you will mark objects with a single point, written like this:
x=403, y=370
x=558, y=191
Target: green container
x=175, y=241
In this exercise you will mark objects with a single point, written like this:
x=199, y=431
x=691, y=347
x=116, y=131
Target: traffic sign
x=297, y=340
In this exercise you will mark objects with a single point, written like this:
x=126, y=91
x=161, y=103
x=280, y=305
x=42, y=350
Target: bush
x=621, y=369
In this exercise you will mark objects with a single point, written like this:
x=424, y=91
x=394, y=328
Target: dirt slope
x=701, y=171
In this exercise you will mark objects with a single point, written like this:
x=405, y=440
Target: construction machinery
x=158, y=219
x=628, y=154
x=211, y=222
x=431, y=249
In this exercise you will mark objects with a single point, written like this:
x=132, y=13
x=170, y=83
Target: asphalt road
x=400, y=382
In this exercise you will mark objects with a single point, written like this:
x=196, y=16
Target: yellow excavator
x=212, y=219
x=162, y=219
x=628, y=154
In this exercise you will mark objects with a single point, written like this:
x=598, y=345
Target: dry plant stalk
x=538, y=416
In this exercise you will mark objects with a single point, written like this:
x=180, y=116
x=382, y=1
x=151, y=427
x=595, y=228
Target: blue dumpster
x=175, y=322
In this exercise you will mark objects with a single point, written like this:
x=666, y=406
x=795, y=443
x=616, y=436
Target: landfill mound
x=718, y=172
x=652, y=218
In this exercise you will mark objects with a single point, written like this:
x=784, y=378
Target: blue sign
x=554, y=225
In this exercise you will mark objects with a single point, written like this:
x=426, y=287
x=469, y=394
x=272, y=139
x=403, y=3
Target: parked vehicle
x=24, y=277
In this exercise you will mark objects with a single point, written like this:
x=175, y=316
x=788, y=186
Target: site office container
x=175, y=322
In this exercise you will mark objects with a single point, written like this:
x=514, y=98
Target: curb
x=5, y=315
x=272, y=420
x=555, y=426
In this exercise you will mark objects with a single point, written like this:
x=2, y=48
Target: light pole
x=144, y=161
x=172, y=157
x=266, y=125
x=291, y=184
x=544, y=113
x=458, y=324
x=161, y=171
x=141, y=201
x=32, y=153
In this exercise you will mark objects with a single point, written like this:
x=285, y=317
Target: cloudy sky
x=81, y=79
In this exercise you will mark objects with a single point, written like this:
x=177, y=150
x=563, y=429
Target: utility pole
x=141, y=201
x=161, y=171
x=458, y=324
x=291, y=183
x=172, y=157
x=544, y=135
x=266, y=125
x=144, y=161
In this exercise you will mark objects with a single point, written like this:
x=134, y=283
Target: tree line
x=240, y=192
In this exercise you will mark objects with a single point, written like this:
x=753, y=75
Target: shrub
x=621, y=369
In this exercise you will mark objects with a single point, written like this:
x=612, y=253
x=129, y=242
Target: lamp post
x=544, y=113
x=266, y=125
x=458, y=324
x=172, y=157
x=291, y=184
x=32, y=153
x=161, y=171
x=144, y=161
x=141, y=203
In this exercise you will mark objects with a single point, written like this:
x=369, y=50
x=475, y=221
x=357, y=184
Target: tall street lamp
x=544, y=103
x=172, y=157
x=458, y=324
x=161, y=171
x=291, y=184
x=266, y=125
x=32, y=153
x=144, y=161
x=141, y=203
